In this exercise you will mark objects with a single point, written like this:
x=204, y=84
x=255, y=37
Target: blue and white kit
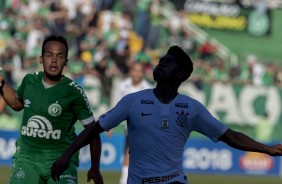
x=157, y=133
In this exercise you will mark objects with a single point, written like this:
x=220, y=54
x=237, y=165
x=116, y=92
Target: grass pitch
x=113, y=178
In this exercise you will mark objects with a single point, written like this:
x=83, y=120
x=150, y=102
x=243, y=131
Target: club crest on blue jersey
x=55, y=109
x=182, y=118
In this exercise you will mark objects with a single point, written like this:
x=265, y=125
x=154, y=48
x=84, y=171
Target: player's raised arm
x=84, y=138
x=9, y=95
x=243, y=142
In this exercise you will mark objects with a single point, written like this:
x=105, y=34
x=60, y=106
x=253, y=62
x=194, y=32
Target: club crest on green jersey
x=19, y=174
x=55, y=109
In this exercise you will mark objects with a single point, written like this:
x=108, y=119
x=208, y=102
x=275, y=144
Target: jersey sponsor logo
x=39, y=126
x=181, y=105
x=182, y=118
x=27, y=102
x=145, y=114
x=147, y=101
x=256, y=162
x=55, y=109
x=165, y=122
x=159, y=179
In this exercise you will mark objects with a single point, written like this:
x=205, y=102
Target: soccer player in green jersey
x=51, y=103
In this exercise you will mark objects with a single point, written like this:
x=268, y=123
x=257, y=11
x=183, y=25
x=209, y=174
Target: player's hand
x=95, y=175
x=59, y=166
x=275, y=150
x=110, y=133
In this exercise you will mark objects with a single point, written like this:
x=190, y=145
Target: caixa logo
x=39, y=126
x=256, y=161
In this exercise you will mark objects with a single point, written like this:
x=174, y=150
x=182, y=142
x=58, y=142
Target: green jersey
x=49, y=116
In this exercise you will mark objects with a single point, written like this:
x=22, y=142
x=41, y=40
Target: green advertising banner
x=255, y=20
x=253, y=110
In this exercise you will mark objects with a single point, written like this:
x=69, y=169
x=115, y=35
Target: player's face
x=137, y=73
x=54, y=58
x=167, y=70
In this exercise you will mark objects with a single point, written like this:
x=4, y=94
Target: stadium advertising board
x=200, y=156
x=231, y=16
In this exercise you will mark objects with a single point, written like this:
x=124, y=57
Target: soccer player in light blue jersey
x=159, y=122
x=51, y=104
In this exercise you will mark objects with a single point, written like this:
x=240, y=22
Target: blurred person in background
x=143, y=19
x=160, y=121
x=278, y=76
x=264, y=129
x=135, y=82
x=51, y=104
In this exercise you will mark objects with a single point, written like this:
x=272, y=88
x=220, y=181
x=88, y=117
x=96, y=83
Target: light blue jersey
x=158, y=132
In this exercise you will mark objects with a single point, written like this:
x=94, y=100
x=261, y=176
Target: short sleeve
x=205, y=123
x=81, y=107
x=117, y=114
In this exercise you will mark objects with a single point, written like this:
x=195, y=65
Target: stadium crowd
x=106, y=37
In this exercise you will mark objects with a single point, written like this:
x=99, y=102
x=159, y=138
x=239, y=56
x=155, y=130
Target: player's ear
x=66, y=63
x=40, y=59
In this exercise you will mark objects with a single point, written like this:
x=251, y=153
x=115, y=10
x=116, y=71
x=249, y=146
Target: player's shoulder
x=33, y=76
x=188, y=99
x=139, y=94
x=72, y=86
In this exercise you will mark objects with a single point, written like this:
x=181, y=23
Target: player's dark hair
x=183, y=59
x=54, y=37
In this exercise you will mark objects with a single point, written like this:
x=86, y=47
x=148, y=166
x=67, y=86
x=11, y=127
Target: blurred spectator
x=264, y=129
x=121, y=54
x=35, y=34
x=7, y=62
x=77, y=69
x=220, y=71
x=155, y=26
x=278, y=77
x=207, y=50
x=58, y=19
x=257, y=70
x=268, y=75
x=143, y=20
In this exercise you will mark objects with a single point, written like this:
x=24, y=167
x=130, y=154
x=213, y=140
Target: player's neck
x=165, y=94
x=52, y=80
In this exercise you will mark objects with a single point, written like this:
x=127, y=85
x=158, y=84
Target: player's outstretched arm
x=9, y=95
x=84, y=138
x=2, y=104
x=95, y=152
x=243, y=142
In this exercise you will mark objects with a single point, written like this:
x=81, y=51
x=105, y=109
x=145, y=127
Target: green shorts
x=27, y=171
